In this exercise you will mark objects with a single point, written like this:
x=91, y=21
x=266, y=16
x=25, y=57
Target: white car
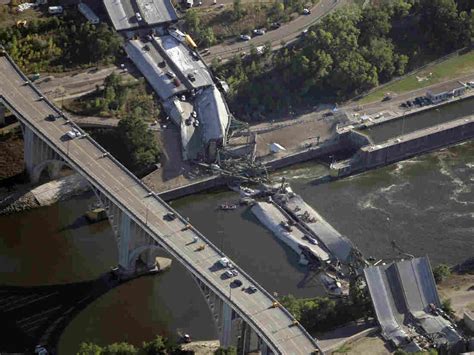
x=259, y=31
x=138, y=16
x=71, y=134
x=245, y=37
x=306, y=11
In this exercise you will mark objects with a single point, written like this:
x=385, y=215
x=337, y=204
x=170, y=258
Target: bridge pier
x=39, y=156
x=2, y=115
x=136, y=249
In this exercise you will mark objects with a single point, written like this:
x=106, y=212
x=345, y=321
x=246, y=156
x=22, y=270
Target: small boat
x=96, y=214
x=227, y=207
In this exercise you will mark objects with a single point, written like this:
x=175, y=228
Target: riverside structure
x=138, y=218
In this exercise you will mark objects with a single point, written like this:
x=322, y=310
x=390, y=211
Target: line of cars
x=231, y=272
x=417, y=101
x=71, y=134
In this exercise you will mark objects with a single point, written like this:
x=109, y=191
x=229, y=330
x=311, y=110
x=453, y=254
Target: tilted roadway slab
x=132, y=196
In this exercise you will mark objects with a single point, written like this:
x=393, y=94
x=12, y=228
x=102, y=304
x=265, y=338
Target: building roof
x=153, y=12
x=448, y=87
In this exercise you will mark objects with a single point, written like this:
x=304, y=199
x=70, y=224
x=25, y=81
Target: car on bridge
x=251, y=289
x=245, y=37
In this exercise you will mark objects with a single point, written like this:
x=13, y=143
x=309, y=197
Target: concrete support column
x=2, y=115
x=124, y=240
x=39, y=156
x=226, y=331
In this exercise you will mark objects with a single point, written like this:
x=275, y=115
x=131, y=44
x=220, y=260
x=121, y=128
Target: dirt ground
x=460, y=289
x=372, y=345
x=202, y=347
x=11, y=156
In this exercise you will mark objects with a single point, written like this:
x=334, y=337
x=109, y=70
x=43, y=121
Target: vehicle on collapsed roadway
x=138, y=16
x=170, y=74
x=74, y=133
x=306, y=11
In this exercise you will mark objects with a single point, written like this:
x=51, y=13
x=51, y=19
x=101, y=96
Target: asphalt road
x=114, y=181
x=287, y=32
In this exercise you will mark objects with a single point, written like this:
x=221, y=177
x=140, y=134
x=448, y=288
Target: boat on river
x=227, y=207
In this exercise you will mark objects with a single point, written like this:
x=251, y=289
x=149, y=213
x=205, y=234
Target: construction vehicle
x=190, y=41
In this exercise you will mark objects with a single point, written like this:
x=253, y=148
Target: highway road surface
x=274, y=325
x=287, y=32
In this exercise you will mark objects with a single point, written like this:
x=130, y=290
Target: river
x=425, y=204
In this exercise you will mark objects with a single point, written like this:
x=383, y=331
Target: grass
x=450, y=68
x=344, y=349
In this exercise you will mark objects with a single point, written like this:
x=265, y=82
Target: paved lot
x=124, y=190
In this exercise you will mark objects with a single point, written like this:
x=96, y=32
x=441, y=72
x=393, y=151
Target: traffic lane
x=86, y=155
x=286, y=32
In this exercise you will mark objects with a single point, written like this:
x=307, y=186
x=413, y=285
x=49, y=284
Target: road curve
x=287, y=32
x=273, y=325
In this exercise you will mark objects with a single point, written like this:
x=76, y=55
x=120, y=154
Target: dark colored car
x=236, y=283
x=171, y=216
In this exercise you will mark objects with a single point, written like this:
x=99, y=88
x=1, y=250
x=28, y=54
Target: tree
x=229, y=351
x=440, y=23
x=140, y=147
x=120, y=349
x=448, y=308
x=89, y=349
x=441, y=272
x=238, y=10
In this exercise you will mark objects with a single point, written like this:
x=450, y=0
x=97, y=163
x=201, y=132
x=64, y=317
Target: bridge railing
x=158, y=199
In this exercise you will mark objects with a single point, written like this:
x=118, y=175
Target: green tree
x=229, y=351
x=89, y=349
x=140, y=146
x=441, y=272
x=120, y=349
x=238, y=11
x=448, y=308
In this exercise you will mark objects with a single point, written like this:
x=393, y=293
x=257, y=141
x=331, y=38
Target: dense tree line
x=321, y=314
x=350, y=51
x=59, y=43
x=159, y=346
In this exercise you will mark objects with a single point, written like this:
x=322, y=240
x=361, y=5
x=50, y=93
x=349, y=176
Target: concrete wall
x=411, y=145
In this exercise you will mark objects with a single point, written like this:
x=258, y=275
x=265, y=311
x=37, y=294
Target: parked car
x=188, y=121
x=194, y=114
x=275, y=25
x=138, y=16
x=245, y=37
x=306, y=11
x=191, y=77
x=304, y=32
x=170, y=74
x=259, y=31
x=196, y=123
x=310, y=239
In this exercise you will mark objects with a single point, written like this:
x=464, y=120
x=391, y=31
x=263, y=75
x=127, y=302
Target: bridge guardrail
x=154, y=195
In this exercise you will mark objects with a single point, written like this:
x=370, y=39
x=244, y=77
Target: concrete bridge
x=250, y=321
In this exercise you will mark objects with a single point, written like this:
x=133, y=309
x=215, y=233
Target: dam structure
x=143, y=223
x=405, y=136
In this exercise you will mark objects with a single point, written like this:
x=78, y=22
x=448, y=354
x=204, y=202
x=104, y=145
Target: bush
x=441, y=272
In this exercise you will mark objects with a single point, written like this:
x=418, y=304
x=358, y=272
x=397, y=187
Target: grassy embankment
x=448, y=69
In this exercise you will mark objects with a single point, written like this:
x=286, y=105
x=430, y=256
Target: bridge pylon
x=231, y=328
x=136, y=248
x=39, y=156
